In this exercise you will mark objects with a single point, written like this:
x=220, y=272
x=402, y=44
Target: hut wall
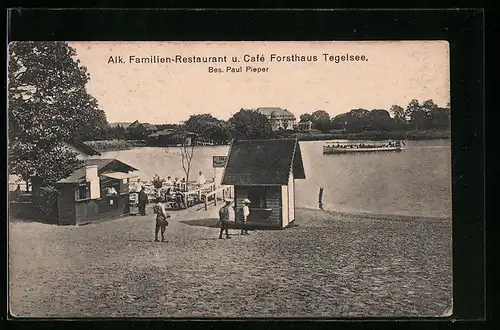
x=92, y=210
x=268, y=216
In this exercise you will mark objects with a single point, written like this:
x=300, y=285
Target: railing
x=224, y=192
x=199, y=192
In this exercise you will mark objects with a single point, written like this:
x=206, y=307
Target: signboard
x=219, y=161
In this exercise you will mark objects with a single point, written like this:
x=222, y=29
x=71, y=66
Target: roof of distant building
x=276, y=112
x=263, y=162
x=145, y=125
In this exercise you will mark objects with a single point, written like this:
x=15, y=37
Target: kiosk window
x=83, y=191
x=257, y=197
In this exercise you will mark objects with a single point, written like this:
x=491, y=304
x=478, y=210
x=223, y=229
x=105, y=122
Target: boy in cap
x=224, y=218
x=246, y=213
x=161, y=219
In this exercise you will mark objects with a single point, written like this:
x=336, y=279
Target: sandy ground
x=330, y=265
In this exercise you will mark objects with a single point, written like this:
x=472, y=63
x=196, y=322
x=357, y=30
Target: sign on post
x=219, y=161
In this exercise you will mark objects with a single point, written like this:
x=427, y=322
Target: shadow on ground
x=210, y=222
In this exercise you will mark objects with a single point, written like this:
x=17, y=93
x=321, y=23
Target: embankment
x=113, y=145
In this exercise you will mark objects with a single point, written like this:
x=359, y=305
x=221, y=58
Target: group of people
x=175, y=183
x=174, y=195
x=227, y=217
x=362, y=145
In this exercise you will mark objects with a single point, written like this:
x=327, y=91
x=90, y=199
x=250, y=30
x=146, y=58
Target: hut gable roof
x=103, y=165
x=147, y=126
x=82, y=147
x=133, y=125
x=263, y=162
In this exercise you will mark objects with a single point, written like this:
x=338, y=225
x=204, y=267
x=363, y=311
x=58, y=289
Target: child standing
x=161, y=219
x=246, y=213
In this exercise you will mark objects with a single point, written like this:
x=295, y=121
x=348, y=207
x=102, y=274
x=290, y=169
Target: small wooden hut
x=264, y=171
x=97, y=191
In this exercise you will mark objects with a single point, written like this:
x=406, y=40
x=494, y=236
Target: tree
x=218, y=132
x=380, y=120
x=321, y=120
x=338, y=122
x=96, y=126
x=305, y=117
x=250, y=124
x=320, y=115
x=47, y=103
x=439, y=118
x=357, y=120
x=187, y=153
x=118, y=132
x=197, y=123
x=208, y=127
x=429, y=105
x=399, y=114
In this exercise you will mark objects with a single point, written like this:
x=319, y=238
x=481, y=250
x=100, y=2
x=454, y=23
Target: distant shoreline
x=375, y=135
x=117, y=145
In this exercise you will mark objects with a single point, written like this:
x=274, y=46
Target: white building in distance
x=279, y=118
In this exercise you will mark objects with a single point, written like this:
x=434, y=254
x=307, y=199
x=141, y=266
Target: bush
x=44, y=201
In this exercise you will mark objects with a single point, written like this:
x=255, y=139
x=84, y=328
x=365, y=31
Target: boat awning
x=119, y=175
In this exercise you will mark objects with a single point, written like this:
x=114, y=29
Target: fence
x=224, y=192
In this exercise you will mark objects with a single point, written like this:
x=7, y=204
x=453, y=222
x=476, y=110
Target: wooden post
x=206, y=202
x=320, y=198
x=215, y=198
x=224, y=194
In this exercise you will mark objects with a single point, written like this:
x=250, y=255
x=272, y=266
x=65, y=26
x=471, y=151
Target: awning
x=119, y=175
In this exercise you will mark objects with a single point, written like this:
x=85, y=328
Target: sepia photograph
x=229, y=179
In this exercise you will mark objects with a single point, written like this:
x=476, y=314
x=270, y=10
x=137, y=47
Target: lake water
x=415, y=182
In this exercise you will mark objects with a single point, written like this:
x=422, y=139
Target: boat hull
x=333, y=150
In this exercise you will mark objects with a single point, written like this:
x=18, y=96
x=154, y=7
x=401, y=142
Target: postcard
x=229, y=179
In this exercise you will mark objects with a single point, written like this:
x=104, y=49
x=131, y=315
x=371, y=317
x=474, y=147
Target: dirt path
x=329, y=265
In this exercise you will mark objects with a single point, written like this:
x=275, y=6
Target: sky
x=392, y=72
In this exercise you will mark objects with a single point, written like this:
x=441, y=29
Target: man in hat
x=143, y=200
x=246, y=213
x=224, y=218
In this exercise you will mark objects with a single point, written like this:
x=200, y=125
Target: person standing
x=161, y=219
x=169, y=181
x=201, y=179
x=143, y=201
x=224, y=218
x=246, y=213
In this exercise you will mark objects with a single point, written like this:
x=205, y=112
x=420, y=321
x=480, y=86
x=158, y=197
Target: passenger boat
x=360, y=147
